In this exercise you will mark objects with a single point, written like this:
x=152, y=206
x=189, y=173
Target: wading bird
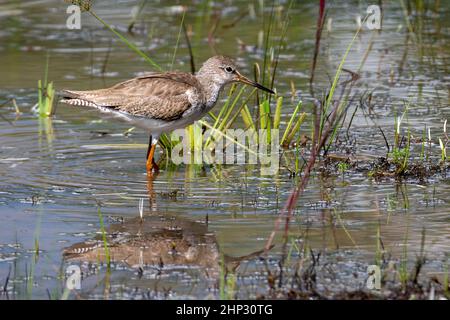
x=162, y=102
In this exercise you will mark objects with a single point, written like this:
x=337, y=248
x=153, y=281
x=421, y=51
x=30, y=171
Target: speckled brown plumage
x=165, y=96
x=156, y=95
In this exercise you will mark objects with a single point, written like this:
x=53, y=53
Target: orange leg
x=151, y=164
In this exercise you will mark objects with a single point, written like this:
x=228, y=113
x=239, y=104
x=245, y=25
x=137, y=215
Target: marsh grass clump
x=271, y=120
x=309, y=274
x=401, y=162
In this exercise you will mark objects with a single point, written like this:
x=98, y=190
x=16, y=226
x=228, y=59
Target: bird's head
x=223, y=70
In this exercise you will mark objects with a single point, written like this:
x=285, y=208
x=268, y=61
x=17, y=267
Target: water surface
x=55, y=172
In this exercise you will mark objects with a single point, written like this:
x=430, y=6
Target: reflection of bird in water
x=157, y=241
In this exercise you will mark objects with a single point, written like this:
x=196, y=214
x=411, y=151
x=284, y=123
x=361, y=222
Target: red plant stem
x=295, y=194
x=320, y=23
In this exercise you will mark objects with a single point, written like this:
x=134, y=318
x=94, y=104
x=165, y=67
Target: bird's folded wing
x=157, y=95
x=168, y=108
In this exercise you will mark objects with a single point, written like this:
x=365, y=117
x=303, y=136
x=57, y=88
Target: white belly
x=157, y=126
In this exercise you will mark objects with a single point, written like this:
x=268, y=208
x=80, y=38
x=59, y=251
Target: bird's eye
x=229, y=69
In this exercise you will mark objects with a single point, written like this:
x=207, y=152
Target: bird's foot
x=152, y=167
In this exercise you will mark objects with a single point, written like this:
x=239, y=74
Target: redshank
x=162, y=102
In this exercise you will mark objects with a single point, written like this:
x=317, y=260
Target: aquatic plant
x=443, y=143
x=227, y=283
x=400, y=155
x=342, y=168
x=269, y=121
x=327, y=116
x=443, y=150
x=46, y=94
x=86, y=6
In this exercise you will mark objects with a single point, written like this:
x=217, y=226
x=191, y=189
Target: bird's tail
x=75, y=98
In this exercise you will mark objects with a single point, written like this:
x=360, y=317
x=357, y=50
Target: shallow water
x=54, y=172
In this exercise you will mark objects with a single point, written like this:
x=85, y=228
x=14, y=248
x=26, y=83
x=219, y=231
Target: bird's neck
x=211, y=88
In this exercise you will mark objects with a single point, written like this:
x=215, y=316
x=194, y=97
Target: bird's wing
x=157, y=95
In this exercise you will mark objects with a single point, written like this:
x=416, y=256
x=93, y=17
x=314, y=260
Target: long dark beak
x=240, y=78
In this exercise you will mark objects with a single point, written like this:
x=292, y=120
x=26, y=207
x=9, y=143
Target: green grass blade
x=277, y=117
x=40, y=93
x=178, y=40
x=220, y=133
x=336, y=79
x=262, y=118
x=247, y=118
x=127, y=42
x=295, y=129
x=291, y=120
